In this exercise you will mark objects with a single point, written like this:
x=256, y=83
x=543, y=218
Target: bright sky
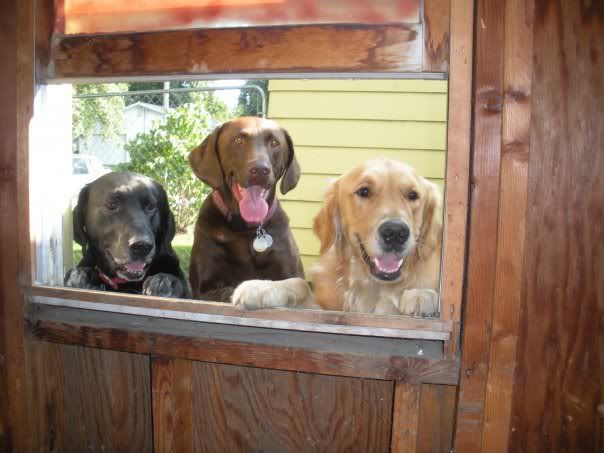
x=229, y=97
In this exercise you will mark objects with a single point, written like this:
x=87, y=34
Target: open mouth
x=385, y=267
x=253, y=206
x=133, y=271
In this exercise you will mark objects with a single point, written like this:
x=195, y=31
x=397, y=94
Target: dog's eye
x=150, y=206
x=274, y=143
x=413, y=195
x=238, y=141
x=112, y=205
x=363, y=192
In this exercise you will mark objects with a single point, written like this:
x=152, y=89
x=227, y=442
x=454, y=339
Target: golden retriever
x=380, y=229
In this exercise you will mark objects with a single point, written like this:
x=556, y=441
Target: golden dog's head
x=384, y=212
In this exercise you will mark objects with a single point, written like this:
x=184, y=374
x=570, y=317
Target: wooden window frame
x=425, y=50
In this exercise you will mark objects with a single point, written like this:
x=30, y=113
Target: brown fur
x=222, y=256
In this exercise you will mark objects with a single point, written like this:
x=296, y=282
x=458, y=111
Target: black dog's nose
x=260, y=169
x=394, y=233
x=141, y=248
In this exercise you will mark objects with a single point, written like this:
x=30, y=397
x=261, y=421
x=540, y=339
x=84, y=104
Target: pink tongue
x=253, y=206
x=135, y=266
x=389, y=262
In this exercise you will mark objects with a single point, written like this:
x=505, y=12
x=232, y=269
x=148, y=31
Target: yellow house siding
x=336, y=124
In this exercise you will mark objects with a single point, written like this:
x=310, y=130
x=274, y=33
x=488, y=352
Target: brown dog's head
x=244, y=158
x=383, y=211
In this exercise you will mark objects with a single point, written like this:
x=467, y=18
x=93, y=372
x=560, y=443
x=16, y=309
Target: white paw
x=256, y=294
x=419, y=302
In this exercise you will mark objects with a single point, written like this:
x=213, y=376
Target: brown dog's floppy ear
x=327, y=225
x=79, y=218
x=431, y=229
x=205, y=161
x=292, y=168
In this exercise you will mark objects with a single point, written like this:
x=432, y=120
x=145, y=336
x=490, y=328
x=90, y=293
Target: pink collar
x=111, y=282
x=222, y=207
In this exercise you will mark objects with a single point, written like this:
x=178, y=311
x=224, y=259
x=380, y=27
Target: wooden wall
x=533, y=351
x=86, y=399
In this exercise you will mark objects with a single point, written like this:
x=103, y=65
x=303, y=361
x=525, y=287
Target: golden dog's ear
x=291, y=176
x=205, y=161
x=327, y=225
x=431, y=229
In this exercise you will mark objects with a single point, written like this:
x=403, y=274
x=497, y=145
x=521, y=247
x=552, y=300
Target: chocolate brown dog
x=242, y=160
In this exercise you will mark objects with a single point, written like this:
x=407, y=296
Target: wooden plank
x=172, y=405
x=437, y=15
x=358, y=105
x=507, y=301
x=392, y=86
x=436, y=418
x=366, y=134
x=245, y=409
x=488, y=89
x=455, y=220
x=312, y=187
x=301, y=213
x=88, y=399
x=405, y=423
x=307, y=242
x=558, y=380
x=324, y=160
x=16, y=94
x=328, y=48
x=225, y=313
x=417, y=361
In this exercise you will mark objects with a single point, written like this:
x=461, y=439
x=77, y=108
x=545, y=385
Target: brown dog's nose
x=260, y=169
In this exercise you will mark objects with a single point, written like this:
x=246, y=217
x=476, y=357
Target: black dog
x=125, y=227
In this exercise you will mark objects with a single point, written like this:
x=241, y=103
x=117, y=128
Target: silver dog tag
x=263, y=240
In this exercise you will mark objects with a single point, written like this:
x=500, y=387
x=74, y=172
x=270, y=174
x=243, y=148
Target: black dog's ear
x=79, y=218
x=292, y=168
x=167, y=223
x=205, y=161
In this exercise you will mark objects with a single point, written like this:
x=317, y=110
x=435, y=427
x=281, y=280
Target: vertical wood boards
x=84, y=399
x=512, y=219
x=423, y=418
x=16, y=93
x=558, y=378
x=488, y=86
x=457, y=170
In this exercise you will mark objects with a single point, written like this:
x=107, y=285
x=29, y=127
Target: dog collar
x=236, y=218
x=111, y=282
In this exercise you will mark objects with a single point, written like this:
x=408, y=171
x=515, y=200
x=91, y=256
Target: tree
x=103, y=115
x=248, y=102
x=162, y=154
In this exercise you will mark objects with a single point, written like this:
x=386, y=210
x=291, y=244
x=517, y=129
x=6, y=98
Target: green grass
x=181, y=244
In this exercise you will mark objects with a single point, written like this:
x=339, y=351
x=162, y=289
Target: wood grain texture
x=458, y=169
x=327, y=48
x=326, y=360
x=507, y=299
x=16, y=99
x=405, y=418
x=437, y=15
x=559, y=376
x=84, y=399
x=310, y=320
x=172, y=405
x=488, y=98
x=436, y=416
x=247, y=409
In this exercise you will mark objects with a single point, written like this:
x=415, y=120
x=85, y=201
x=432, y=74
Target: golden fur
x=342, y=278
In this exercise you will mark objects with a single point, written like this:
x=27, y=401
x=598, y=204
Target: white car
x=84, y=169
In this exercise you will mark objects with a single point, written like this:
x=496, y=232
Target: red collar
x=222, y=207
x=111, y=282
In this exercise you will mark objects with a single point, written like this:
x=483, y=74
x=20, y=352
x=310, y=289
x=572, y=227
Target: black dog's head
x=123, y=222
x=244, y=158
